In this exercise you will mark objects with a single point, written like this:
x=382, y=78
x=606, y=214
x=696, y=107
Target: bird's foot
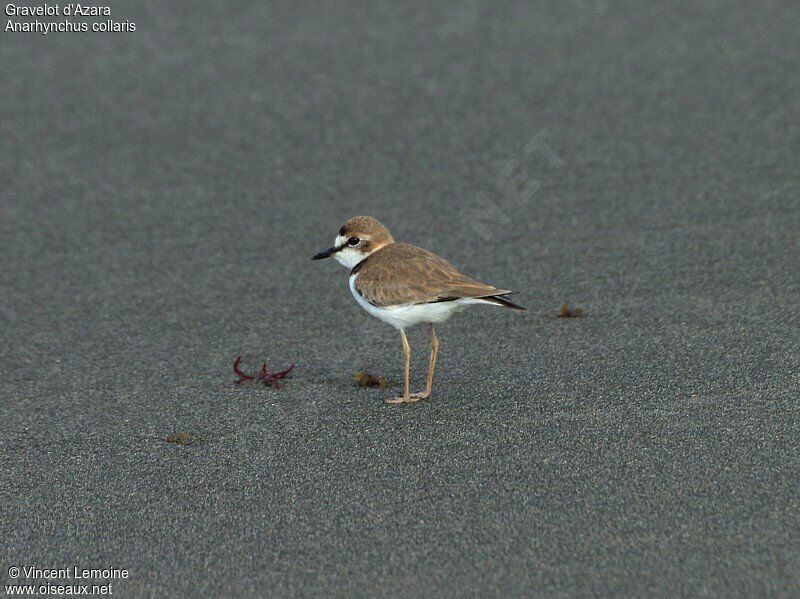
x=411, y=398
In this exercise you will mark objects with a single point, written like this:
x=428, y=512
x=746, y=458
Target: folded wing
x=403, y=274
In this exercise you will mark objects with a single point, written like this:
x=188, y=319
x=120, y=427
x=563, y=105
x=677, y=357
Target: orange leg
x=431, y=365
x=406, y=397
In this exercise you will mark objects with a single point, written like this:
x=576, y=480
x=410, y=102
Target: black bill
x=325, y=254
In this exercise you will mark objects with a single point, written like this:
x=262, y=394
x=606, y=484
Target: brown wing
x=402, y=274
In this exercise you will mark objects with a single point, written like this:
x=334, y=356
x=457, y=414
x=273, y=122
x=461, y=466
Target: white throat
x=347, y=256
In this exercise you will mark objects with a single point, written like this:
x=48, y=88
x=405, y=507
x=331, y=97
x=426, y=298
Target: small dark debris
x=367, y=379
x=181, y=439
x=565, y=312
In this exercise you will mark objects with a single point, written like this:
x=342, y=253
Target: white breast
x=401, y=317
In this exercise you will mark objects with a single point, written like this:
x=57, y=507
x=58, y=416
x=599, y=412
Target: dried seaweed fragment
x=368, y=379
x=181, y=439
x=565, y=312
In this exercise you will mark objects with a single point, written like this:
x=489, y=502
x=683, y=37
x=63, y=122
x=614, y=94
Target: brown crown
x=367, y=227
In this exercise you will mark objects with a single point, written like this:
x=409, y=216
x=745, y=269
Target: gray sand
x=163, y=191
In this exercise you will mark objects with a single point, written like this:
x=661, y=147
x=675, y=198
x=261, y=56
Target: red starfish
x=268, y=378
x=272, y=378
x=242, y=376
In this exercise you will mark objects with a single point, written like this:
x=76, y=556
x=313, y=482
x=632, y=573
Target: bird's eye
x=353, y=241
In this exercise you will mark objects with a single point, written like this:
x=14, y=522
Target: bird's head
x=357, y=239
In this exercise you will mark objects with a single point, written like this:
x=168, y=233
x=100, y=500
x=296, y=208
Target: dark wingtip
x=501, y=301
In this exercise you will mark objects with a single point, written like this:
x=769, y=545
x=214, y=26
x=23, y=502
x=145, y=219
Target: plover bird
x=404, y=285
